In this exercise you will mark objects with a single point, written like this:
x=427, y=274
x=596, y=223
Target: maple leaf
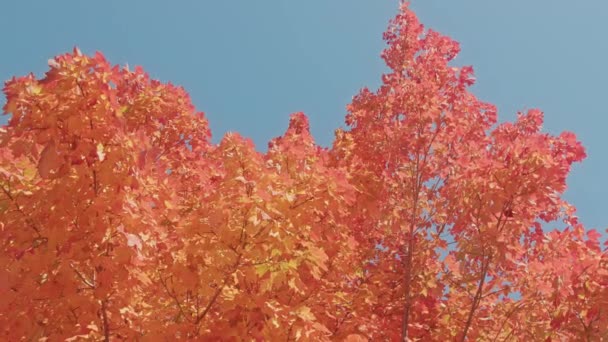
x=50, y=161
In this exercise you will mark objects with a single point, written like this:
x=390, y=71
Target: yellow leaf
x=291, y=264
x=305, y=314
x=34, y=89
x=143, y=278
x=254, y=219
x=229, y=293
x=296, y=285
x=260, y=270
x=121, y=111
x=100, y=152
x=169, y=205
x=29, y=173
x=290, y=197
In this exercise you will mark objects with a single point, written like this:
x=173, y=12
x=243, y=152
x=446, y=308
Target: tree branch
x=106, y=323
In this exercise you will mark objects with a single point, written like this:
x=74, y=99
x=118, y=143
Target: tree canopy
x=120, y=220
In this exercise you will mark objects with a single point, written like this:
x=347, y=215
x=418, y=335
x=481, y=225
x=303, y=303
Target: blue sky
x=249, y=64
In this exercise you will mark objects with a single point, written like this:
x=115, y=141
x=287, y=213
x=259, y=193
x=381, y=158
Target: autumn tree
x=426, y=220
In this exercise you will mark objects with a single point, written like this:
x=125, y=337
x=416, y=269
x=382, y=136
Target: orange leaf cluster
x=120, y=220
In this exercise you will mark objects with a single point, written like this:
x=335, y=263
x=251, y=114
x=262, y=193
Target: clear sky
x=249, y=64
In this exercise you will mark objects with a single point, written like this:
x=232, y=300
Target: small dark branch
x=211, y=302
x=86, y=281
x=586, y=328
x=262, y=229
x=106, y=323
x=197, y=306
x=289, y=332
x=477, y=298
x=494, y=292
x=95, y=186
x=28, y=220
x=506, y=319
x=295, y=205
x=486, y=259
x=82, y=92
x=408, y=289
x=441, y=229
x=218, y=292
x=174, y=297
x=408, y=261
x=340, y=321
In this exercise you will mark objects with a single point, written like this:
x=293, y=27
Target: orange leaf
x=50, y=161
